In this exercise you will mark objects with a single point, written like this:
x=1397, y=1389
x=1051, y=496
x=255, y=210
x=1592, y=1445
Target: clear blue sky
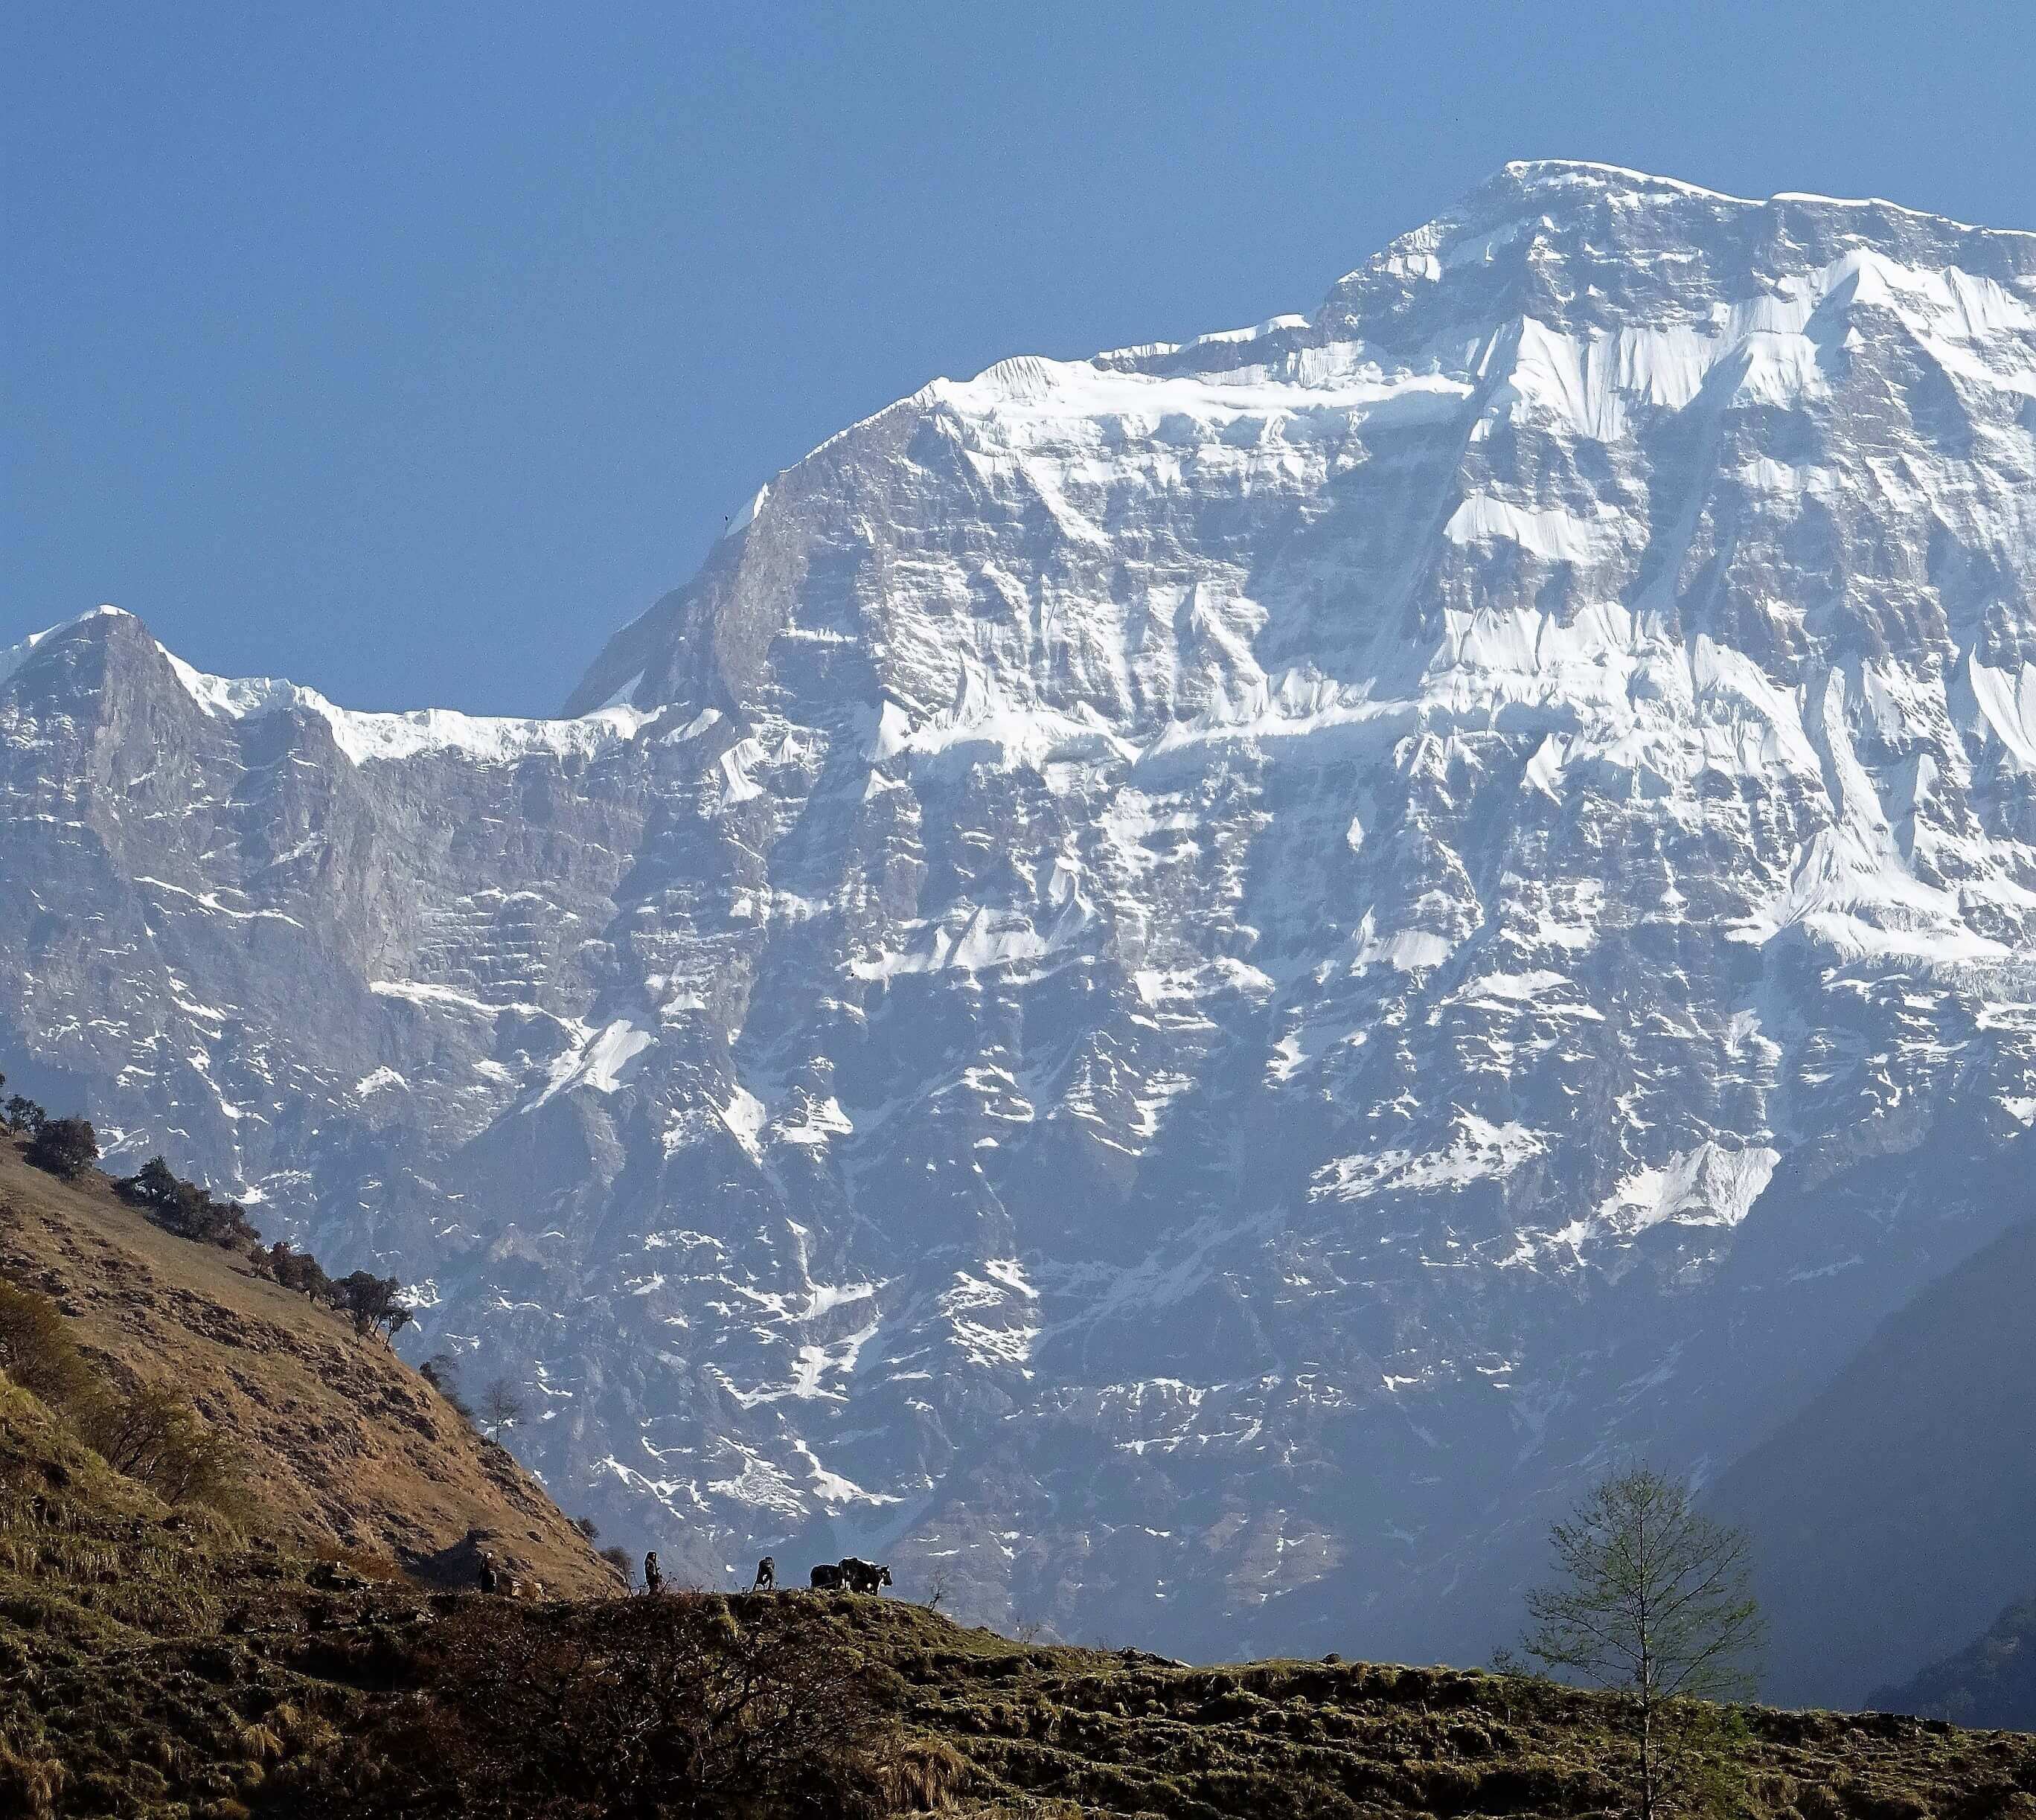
x=407, y=351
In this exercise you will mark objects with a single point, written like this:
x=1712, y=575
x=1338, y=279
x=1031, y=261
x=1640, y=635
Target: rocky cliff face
x=1177, y=984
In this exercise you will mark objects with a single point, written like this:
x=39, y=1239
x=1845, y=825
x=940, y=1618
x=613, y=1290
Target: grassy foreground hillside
x=184, y=1673
x=342, y=1446
x=268, y=1658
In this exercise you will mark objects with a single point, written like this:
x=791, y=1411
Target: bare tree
x=501, y=1407
x=939, y=1583
x=1655, y=1599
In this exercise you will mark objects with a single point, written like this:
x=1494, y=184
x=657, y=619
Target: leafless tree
x=501, y=1407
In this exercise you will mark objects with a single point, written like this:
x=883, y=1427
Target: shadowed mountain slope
x=1894, y=1513
x=1991, y=1681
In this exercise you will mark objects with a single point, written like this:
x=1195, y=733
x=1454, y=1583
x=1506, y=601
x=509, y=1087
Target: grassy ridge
x=159, y=1662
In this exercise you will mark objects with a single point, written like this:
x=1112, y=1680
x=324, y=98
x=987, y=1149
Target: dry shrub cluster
x=149, y=1432
x=692, y=1704
x=36, y=1350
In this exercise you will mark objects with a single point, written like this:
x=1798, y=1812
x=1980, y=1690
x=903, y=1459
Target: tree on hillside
x=299, y=1271
x=1654, y=1599
x=65, y=1147
x=501, y=1407
x=441, y=1372
x=23, y=1114
x=373, y=1303
x=155, y=1185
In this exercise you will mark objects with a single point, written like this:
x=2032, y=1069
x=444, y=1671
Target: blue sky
x=407, y=351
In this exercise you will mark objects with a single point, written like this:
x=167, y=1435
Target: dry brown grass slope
x=345, y=1447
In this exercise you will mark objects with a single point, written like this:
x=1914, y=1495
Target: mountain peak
x=100, y=620
x=1313, y=927
x=1584, y=180
x=1529, y=175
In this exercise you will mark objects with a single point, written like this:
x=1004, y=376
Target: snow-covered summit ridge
x=366, y=737
x=1582, y=303
x=1531, y=174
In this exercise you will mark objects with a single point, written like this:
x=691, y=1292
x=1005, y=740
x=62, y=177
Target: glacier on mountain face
x=1185, y=982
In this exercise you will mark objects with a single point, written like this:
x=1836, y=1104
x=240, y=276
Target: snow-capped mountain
x=1177, y=982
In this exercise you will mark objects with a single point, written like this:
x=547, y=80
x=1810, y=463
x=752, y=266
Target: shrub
x=190, y=1211
x=299, y=1271
x=677, y=1705
x=31, y=1783
x=441, y=1372
x=152, y=1435
x=37, y=1351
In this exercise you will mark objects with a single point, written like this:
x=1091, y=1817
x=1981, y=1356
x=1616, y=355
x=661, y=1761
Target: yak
x=864, y=1576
